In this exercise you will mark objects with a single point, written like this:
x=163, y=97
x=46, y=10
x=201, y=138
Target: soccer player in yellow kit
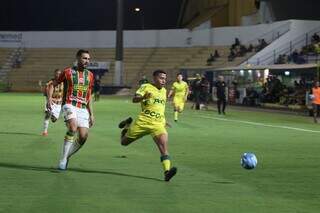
x=180, y=91
x=151, y=120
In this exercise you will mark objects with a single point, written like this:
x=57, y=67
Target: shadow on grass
x=18, y=133
x=54, y=170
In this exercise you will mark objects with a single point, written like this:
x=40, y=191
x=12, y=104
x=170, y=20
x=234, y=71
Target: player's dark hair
x=179, y=74
x=80, y=52
x=56, y=70
x=157, y=72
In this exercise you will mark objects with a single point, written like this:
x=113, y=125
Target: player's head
x=220, y=78
x=83, y=58
x=316, y=84
x=179, y=77
x=159, y=78
x=57, y=73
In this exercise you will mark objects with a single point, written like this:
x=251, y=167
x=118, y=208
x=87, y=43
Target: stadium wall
x=147, y=38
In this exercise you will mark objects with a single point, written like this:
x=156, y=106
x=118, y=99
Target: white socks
x=66, y=149
x=74, y=148
x=45, y=125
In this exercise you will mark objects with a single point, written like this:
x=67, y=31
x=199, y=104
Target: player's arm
x=89, y=104
x=54, y=83
x=170, y=93
x=141, y=95
x=90, y=110
x=138, y=97
x=186, y=94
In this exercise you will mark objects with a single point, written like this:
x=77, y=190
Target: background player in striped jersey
x=151, y=120
x=180, y=91
x=77, y=107
x=56, y=98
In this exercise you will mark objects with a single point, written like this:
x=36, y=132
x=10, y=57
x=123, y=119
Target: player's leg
x=70, y=117
x=162, y=143
x=83, y=131
x=69, y=140
x=175, y=112
x=219, y=105
x=130, y=132
x=55, y=113
x=224, y=103
x=46, y=123
x=315, y=112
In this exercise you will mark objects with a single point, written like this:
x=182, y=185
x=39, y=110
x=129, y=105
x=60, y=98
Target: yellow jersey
x=153, y=108
x=180, y=89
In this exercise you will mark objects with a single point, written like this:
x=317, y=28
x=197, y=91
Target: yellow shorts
x=141, y=128
x=178, y=103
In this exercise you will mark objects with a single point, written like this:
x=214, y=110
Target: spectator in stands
x=250, y=48
x=231, y=55
x=242, y=50
x=315, y=38
x=143, y=80
x=235, y=44
x=210, y=59
x=216, y=54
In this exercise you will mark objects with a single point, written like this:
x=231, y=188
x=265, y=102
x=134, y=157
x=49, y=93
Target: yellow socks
x=166, y=163
x=175, y=115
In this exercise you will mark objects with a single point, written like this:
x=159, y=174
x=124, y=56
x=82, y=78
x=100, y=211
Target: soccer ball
x=311, y=97
x=248, y=160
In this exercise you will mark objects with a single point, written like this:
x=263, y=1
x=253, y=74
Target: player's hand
x=147, y=95
x=49, y=104
x=91, y=120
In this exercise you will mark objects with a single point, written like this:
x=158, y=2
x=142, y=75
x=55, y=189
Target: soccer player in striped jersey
x=77, y=107
x=180, y=91
x=57, y=94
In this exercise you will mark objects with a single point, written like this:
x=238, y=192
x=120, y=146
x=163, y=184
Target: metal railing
x=285, y=49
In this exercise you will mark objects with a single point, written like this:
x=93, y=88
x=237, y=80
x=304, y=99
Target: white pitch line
x=261, y=124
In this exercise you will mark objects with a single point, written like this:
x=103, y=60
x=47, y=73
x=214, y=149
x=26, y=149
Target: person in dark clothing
x=196, y=91
x=221, y=87
x=96, y=88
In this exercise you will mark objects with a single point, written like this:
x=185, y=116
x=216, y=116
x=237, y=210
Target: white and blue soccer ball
x=249, y=160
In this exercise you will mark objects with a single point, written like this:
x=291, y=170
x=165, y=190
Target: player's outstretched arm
x=138, y=98
x=49, y=90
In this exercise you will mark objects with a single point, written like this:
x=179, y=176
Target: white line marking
x=261, y=124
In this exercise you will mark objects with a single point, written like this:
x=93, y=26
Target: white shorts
x=55, y=110
x=81, y=115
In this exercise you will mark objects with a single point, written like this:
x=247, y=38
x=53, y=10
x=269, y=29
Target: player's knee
x=126, y=141
x=53, y=119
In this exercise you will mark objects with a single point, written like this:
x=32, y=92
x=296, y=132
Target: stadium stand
x=39, y=63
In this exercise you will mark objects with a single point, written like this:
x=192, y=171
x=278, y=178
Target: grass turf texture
x=106, y=177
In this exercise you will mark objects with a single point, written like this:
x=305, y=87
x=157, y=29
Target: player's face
x=84, y=60
x=317, y=84
x=160, y=80
x=179, y=78
x=57, y=74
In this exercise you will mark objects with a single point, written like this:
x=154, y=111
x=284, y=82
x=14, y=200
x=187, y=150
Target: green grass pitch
x=106, y=177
